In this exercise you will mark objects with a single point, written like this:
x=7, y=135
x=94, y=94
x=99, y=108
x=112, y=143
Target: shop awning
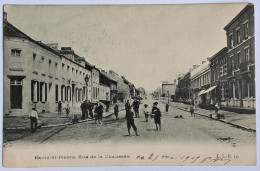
x=201, y=92
x=210, y=89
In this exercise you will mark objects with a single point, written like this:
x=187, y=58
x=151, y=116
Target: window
x=232, y=64
x=247, y=54
x=238, y=59
x=238, y=36
x=49, y=67
x=246, y=30
x=231, y=41
x=56, y=93
x=16, y=52
x=34, y=62
x=221, y=71
x=213, y=75
x=225, y=69
x=216, y=74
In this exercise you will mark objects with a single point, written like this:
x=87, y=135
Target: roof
x=107, y=76
x=11, y=31
x=238, y=15
x=223, y=49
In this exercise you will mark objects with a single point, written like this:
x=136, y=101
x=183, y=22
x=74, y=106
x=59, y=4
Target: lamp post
x=86, y=80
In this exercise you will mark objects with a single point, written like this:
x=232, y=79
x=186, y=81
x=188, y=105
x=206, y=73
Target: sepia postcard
x=129, y=85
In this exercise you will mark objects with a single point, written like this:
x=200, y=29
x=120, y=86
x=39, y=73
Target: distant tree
x=141, y=90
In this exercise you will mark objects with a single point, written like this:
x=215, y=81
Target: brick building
x=218, y=67
x=241, y=59
x=183, y=92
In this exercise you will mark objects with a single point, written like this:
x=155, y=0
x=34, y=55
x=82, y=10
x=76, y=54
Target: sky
x=147, y=44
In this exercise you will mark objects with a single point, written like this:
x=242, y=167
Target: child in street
x=146, y=112
x=192, y=110
x=157, y=116
x=67, y=109
x=131, y=122
x=167, y=108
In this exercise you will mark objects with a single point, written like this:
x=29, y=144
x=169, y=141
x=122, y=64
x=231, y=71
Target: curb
x=56, y=125
x=221, y=120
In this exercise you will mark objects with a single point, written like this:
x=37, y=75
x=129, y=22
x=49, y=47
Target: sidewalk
x=244, y=120
x=48, y=119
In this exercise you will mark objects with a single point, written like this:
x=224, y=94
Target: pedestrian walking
x=59, y=107
x=131, y=122
x=116, y=111
x=33, y=119
x=192, y=110
x=67, y=109
x=157, y=116
x=167, y=108
x=136, y=105
x=83, y=108
x=146, y=112
x=99, y=113
x=127, y=107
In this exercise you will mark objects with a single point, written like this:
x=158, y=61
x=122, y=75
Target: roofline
x=42, y=45
x=239, y=14
x=224, y=48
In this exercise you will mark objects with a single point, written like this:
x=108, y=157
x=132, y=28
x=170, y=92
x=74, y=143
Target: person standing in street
x=90, y=109
x=216, y=108
x=116, y=111
x=136, y=108
x=34, y=119
x=131, y=122
x=192, y=110
x=167, y=108
x=67, y=110
x=83, y=108
x=127, y=107
x=157, y=116
x=146, y=112
x=59, y=107
x=99, y=113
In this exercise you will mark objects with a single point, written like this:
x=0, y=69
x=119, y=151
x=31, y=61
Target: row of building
x=228, y=77
x=40, y=75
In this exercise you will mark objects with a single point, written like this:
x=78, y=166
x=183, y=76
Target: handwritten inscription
x=223, y=159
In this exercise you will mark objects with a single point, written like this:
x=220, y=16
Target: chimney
x=203, y=62
x=194, y=66
x=53, y=46
x=5, y=16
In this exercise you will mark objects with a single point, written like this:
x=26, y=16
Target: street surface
x=187, y=130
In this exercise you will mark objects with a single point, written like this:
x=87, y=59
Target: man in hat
x=157, y=116
x=131, y=122
x=127, y=107
x=34, y=119
x=136, y=108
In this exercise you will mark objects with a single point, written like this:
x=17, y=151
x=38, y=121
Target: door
x=16, y=94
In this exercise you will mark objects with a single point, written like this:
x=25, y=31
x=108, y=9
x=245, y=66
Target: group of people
x=133, y=109
x=93, y=110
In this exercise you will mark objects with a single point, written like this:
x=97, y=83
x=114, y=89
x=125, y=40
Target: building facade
x=218, y=67
x=200, y=82
x=241, y=59
x=123, y=90
x=183, y=92
x=36, y=75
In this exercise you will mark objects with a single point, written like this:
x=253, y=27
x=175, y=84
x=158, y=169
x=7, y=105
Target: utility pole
x=168, y=97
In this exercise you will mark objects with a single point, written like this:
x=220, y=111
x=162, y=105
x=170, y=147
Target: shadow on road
x=150, y=129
